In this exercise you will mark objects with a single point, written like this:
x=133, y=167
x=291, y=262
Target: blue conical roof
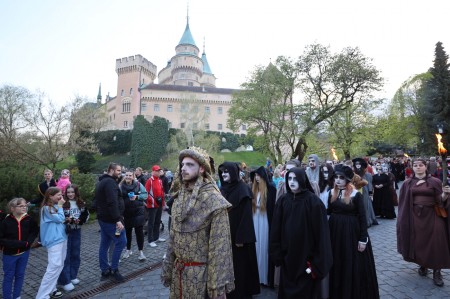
x=187, y=37
x=206, y=68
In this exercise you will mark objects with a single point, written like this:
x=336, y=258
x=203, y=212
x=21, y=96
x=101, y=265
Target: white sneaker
x=127, y=254
x=152, y=244
x=161, y=240
x=68, y=287
x=75, y=281
x=142, y=256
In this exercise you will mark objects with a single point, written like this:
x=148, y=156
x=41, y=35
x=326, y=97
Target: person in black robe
x=243, y=238
x=353, y=274
x=300, y=239
x=382, y=197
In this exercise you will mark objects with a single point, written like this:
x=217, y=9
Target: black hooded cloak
x=242, y=231
x=300, y=234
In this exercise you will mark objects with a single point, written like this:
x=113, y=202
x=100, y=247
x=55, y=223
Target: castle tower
x=133, y=72
x=208, y=78
x=187, y=68
x=99, y=96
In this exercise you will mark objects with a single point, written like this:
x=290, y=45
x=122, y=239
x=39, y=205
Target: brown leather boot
x=437, y=278
x=422, y=271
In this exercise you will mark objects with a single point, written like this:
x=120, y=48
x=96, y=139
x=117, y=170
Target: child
x=54, y=238
x=64, y=180
x=17, y=232
x=76, y=214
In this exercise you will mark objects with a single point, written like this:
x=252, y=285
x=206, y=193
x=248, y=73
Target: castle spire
x=206, y=68
x=99, y=96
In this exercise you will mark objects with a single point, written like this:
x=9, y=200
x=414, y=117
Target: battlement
x=134, y=62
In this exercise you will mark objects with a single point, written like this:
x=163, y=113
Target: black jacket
x=134, y=209
x=109, y=203
x=17, y=236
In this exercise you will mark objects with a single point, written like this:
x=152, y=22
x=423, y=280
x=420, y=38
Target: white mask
x=226, y=176
x=358, y=165
x=312, y=163
x=293, y=183
x=325, y=173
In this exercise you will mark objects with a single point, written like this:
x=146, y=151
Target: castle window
x=244, y=128
x=131, y=91
x=207, y=110
x=125, y=124
x=114, y=116
x=169, y=108
x=156, y=107
x=110, y=120
x=182, y=125
x=219, y=127
x=121, y=93
x=190, y=84
x=144, y=107
x=206, y=126
x=126, y=106
x=219, y=110
x=184, y=108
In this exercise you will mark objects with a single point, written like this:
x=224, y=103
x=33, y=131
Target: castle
x=186, y=94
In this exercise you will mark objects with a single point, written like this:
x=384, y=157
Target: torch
x=333, y=152
x=443, y=153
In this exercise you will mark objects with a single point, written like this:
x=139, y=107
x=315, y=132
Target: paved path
x=396, y=278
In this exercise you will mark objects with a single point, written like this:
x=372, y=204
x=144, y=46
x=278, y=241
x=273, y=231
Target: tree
x=437, y=106
x=149, y=140
x=268, y=101
x=329, y=83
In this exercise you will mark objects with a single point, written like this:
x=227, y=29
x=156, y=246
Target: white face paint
x=312, y=163
x=378, y=166
x=385, y=169
x=293, y=183
x=226, y=175
x=340, y=181
x=358, y=165
x=325, y=173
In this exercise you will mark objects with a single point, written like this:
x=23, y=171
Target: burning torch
x=333, y=153
x=443, y=153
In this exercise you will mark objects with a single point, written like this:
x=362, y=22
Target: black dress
x=353, y=273
x=245, y=265
x=382, y=198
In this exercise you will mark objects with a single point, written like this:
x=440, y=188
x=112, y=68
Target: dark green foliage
x=19, y=180
x=149, y=141
x=85, y=161
x=437, y=103
x=86, y=183
x=108, y=145
x=231, y=141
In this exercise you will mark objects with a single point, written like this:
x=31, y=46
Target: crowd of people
x=300, y=227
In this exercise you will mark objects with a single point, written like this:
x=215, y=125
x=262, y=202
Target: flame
x=406, y=155
x=441, y=147
x=333, y=152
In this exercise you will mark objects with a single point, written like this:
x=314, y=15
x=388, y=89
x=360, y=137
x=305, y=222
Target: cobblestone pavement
x=396, y=278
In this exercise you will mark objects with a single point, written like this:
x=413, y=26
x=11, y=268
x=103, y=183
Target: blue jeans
x=14, y=269
x=72, y=261
x=107, y=236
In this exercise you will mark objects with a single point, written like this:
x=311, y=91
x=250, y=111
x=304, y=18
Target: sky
x=66, y=48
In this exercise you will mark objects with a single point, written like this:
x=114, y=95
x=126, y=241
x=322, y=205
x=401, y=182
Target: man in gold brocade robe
x=198, y=261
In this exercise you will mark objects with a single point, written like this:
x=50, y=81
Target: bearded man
x=198, y=261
